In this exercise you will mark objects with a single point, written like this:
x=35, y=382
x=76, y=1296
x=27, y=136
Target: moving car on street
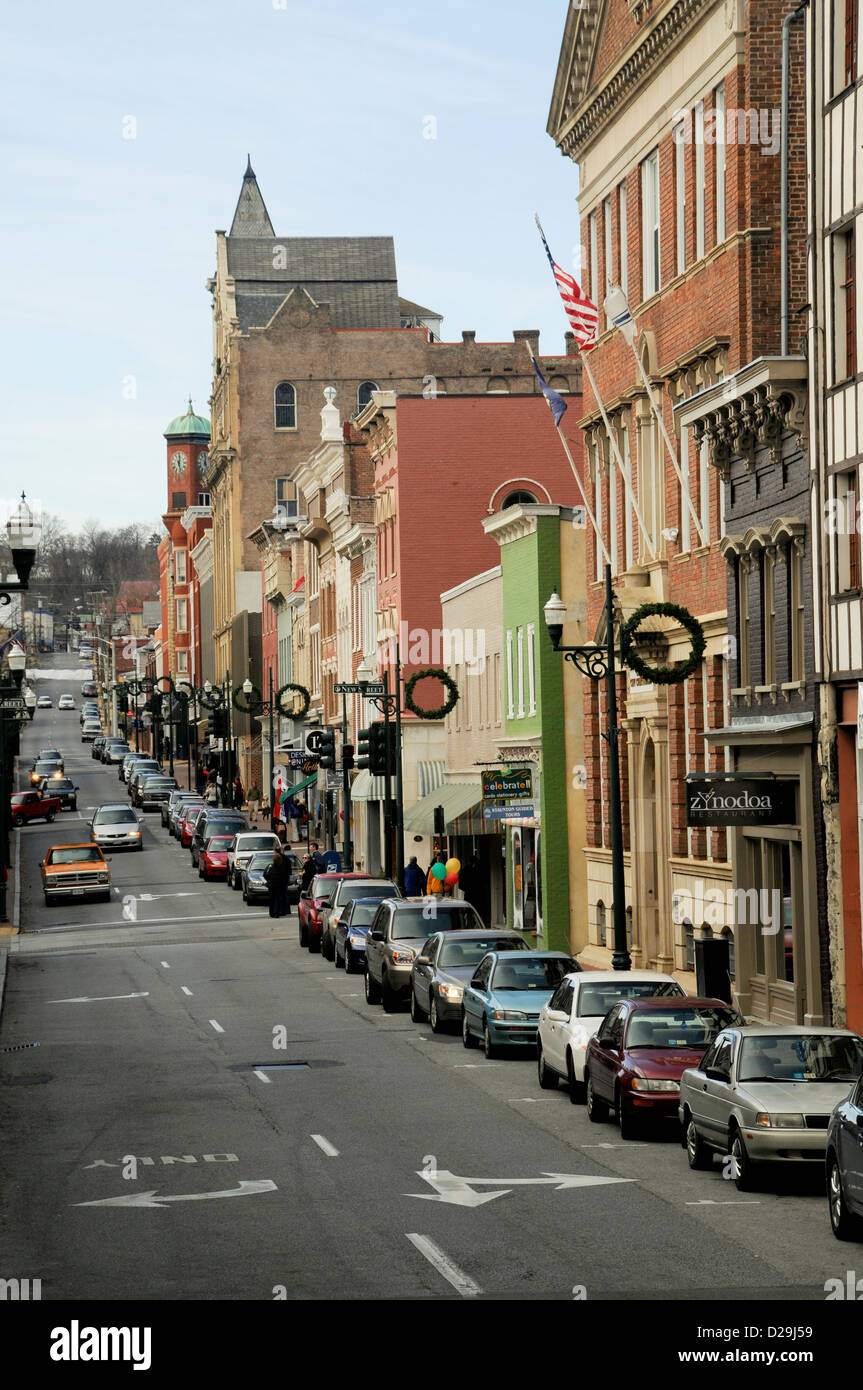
x=446, y=963
x=635, y=1061
x=150, y=793
x=116, y=827
x=66, y=702
x=569, y=1019
x=44, y=702
x=33, y=805
x=90, y=729
x=45, y=768
x=71, y=871
x=64, y=788
x=765, y=1093
x=502, y=1001
x=396, y=937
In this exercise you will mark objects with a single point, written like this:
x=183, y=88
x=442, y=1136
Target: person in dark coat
x=310, y=870
x=320, y=861
x=239, y=795
x=415, y=879
x=276, y=875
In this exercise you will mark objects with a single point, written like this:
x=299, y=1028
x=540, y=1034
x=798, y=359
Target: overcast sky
x=107, y=241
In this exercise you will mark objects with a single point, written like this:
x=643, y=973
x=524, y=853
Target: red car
x=213, y=858
x=309, y=909
x=185, y=826
x=33, y=806
x=635, y=1060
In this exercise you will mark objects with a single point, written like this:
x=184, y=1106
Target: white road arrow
x=99, y=998
x=152, y=897
x=149, y=1199
x=459, y=1191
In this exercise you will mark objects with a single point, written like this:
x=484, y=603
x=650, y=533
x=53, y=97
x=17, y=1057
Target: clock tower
x=187, y=459
x=188, y=439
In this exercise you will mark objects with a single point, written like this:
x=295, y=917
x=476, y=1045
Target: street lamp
x=597, y=663
x=23, y=533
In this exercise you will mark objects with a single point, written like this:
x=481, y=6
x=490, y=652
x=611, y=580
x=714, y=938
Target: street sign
x=512, y=810
x=374, y=688
x=13, y=702
x=313, y=740
x=726, y=800
x=507, y=786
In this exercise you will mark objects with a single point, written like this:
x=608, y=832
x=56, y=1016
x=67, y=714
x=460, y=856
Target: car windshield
x=187, y=812
x=351, y=890
x=45, y=767
x=219, y=828
x=111, y=815
x=454, y=952
x=168, y=782
x=220, y=843
x=820, y=1057
x=260, y=861
x=61, y=784
x=418, y=921
x=323, y=886
x=363, y=911
x=253, y=842
x=594, y=1001
x=78, y=854
x=533, y=973
x=691, y=1027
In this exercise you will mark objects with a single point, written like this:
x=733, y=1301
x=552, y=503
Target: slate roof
x=352, y=305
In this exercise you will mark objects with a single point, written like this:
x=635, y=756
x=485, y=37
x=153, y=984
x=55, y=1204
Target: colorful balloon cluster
x=447, y=873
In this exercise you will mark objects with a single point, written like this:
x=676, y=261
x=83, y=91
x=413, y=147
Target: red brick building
x=672, y=115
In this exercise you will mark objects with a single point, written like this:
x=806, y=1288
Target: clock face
x=203, y=463
x=178, y=462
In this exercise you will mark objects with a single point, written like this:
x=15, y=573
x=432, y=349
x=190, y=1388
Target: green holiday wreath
x=662, y=675
x=446, y=680
x=301, y=690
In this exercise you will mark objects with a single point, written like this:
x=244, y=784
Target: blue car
x=502, y=1002
x=349, y=938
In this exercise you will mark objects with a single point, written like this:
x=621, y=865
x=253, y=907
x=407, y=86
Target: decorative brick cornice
x=750, y=410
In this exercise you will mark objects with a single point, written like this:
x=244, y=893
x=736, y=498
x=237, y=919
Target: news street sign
x=374, y=688
x=13, y=702
x=740, y=801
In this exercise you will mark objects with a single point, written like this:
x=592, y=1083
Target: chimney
x=527, y=335
x=468, y=335
x=569, y=349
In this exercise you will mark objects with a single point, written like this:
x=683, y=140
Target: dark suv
x=396, y=936
x=215, y=821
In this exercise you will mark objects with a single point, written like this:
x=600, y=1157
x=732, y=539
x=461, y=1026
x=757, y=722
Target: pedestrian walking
x=415, y=879
x=254, y=804
x=212, y=794
x=237, y=793
x=276, y=880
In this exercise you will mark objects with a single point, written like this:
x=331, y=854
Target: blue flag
x=556, y=404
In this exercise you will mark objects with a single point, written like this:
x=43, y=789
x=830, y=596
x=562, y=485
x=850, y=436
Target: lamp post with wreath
x=598, y=663
x=248, y=699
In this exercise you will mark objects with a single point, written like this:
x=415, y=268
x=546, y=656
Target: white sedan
x=574, y=1012
x=66, y=702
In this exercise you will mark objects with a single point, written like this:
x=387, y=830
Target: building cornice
x=516, y=522
x=751, y=409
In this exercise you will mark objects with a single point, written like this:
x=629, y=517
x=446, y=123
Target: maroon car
x=635, y=1060
x=185, y=824
x=213, y=858
x=321, y=891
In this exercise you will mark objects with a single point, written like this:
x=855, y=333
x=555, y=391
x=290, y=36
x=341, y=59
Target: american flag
x=582, y=314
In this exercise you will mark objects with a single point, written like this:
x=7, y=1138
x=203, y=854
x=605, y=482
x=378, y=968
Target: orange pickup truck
x=33, y=806
x=70, y=871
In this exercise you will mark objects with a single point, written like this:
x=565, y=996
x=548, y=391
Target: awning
x=456, y=800
x=301, y=786
x=365, y=787
x=430, y=776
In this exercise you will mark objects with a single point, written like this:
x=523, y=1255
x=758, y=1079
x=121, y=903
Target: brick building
x=672, y=115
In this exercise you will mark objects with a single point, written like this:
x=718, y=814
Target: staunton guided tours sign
x=740, y=801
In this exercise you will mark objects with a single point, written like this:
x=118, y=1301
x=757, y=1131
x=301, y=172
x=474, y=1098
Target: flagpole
x=600, y=542
x=624, y=469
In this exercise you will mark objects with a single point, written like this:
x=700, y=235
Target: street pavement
x=212, y=1113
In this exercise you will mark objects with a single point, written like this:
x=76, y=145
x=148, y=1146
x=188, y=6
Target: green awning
x=455, y=798
x=291, y=791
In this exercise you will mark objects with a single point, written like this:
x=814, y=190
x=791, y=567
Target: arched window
x=518, y=499
x=600, y=923
x=497, y=386
x=729, y=936
x=364, y=393
x=285, y=398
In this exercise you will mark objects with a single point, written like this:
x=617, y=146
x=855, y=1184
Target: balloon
x=438, y=871
x=453, y=866
x=451, y=880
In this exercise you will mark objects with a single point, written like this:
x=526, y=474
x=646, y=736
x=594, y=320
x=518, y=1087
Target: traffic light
x=327, y=749
x=364, y=751
x=221, y=723
x=347, y=756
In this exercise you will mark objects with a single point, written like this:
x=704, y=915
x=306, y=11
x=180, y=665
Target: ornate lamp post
x=249, y=700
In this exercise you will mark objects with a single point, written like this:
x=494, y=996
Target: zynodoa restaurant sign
x=740, y=801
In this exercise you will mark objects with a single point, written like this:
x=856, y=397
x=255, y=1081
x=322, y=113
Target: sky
x=124, y=133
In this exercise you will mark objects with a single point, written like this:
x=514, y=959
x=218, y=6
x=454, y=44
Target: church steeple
x=251, y=217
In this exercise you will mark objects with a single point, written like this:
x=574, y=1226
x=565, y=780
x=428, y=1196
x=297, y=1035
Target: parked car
x=215, y=821
x=446, y=963
x=348, y=888
x=116, y=827
x=134, y=760
x=64, y=788
x=150, y=793
x=90, y=729
x=115, y=752
x=33, y=805
x=89, y=710
x=396, y=937
x=252, y=881
x=642, y=1048
x=177, y=797
x=569, y=1019
x=146, y=767
x=186, y=823
x=45, y=768
x=97, y=746
x=241, y=851
x=89, y=688
x=70, y=871
x=502, y=1001
x=349, y=940
x=111, y=741
x=310, y=908
x=765, y=1093
x=213, y=857
x=845, y=1166
x=44, y=702
x=66, y=702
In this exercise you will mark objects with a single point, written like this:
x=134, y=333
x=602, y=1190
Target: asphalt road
x=150, y=1153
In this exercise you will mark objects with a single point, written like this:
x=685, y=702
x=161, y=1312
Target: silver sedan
x=765, y=1093
x=116, y=827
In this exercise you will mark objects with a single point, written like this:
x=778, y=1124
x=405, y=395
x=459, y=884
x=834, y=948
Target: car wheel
x=304, y=936
x=74, y=805
x=349, y=967
x=576, y=1088
x=336, y=961
x=314, y=945
x=140, y=846
x=236, y=883
x=546, y=1077
x=47, y=900
x=389, y=998
x=488, y=1046
x=435, y=1022
x=371, y=989
x=106, y=897
x=743, y=1177
x=16, y=820
x=697, y=1152
x=327, y=949
x=467, y=1037
x=50, y=816
x=597, y=1110
x=629, y=1127
x=417, y=1014
x=846, y=1226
